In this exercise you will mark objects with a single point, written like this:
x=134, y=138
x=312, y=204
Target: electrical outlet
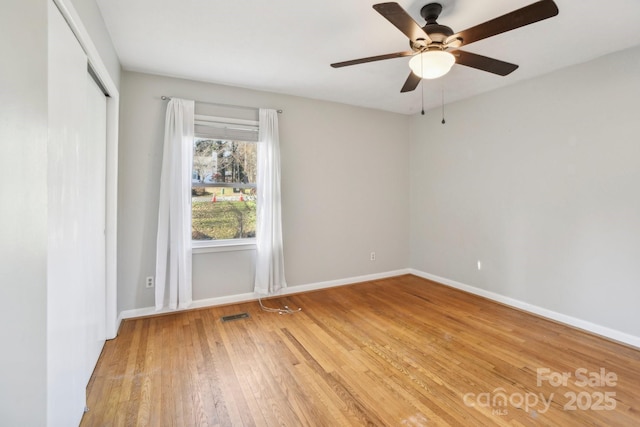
x=149, y=282
x=372, y=257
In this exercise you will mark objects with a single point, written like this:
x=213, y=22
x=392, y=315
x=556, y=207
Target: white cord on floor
x=285, y=310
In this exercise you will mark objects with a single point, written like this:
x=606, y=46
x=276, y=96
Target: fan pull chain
x=422, y=98
x=422, y=84
x=443, y=121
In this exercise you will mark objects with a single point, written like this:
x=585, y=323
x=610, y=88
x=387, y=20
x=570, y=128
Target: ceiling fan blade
x=484, y=63
x=518, y=18
x=372, y=58
x=411, y=83
x=395, y=14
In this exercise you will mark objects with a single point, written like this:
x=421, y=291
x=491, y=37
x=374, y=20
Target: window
x=223, y=190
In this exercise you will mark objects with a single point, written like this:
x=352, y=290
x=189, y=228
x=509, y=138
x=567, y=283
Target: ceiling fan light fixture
x=431, y=64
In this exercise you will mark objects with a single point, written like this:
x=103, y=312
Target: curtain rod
x=166, y=98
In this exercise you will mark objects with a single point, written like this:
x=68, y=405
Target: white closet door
x=93, y=186
x=75, y=203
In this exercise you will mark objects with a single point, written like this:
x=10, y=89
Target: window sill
x=202, y=247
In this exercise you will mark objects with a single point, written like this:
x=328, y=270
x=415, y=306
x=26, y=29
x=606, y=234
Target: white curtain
x=173, y=250
x=269, y=256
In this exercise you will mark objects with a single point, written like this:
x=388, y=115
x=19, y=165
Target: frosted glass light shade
x=435, y=63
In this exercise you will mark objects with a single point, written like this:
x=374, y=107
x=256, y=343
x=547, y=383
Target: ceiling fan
x=435, y=47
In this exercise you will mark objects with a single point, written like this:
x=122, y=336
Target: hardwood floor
x=396, y=352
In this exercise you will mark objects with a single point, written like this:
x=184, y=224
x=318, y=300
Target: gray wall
x=23, y=212
x=540, y=182
x=344, y=185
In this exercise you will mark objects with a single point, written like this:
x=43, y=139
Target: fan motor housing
x=438, y=33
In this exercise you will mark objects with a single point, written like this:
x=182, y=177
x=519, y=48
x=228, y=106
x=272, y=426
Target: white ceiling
x=286, y=46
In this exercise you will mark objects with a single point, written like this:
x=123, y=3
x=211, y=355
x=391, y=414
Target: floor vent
x=235, y=317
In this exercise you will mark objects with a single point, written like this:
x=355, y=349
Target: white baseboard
x=342, y=282
x=512, y=302
x=540, y=311
x=251, y=296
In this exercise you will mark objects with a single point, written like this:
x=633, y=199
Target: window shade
x=226, y=128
